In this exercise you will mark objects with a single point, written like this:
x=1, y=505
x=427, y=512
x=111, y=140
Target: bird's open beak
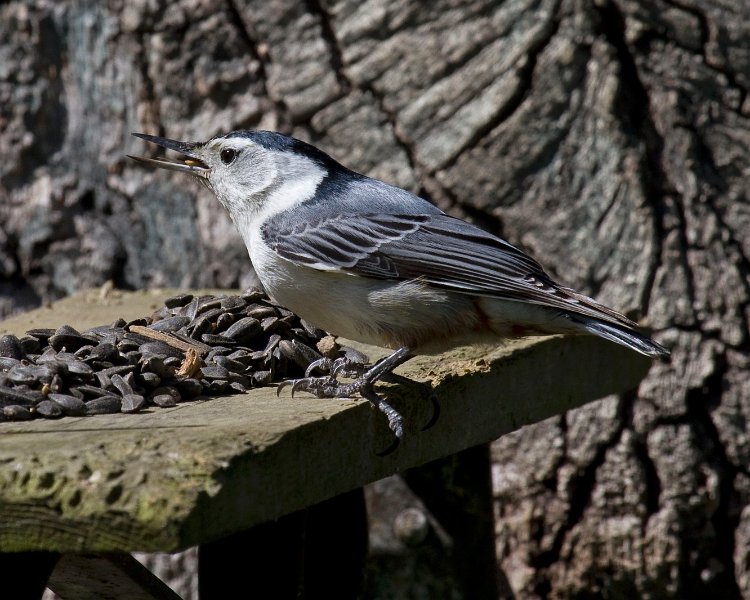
x=190, y=164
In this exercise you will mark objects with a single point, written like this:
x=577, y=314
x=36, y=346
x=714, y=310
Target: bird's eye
x=228, y=155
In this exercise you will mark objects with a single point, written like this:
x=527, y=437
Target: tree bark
x=610, y=138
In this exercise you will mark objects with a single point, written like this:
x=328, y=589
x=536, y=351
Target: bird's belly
x=399, y=313
x=380, y=312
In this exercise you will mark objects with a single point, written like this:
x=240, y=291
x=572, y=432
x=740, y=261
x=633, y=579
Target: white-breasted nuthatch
x=374, y=263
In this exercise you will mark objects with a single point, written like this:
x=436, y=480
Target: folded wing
x=438, y=249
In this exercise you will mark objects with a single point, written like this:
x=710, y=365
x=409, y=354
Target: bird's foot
x=323, y=387
x=329, y=387
x=351, y=369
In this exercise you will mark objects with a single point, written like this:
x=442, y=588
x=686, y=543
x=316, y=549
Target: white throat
x=297, y=181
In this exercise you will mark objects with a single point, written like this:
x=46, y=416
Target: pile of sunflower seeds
x=192, y=346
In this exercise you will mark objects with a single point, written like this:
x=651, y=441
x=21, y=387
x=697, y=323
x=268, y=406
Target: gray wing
x=438, y=249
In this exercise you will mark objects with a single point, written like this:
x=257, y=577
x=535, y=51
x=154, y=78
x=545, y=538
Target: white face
x=250, y=179
x=242, y=172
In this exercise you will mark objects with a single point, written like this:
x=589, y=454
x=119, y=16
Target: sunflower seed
x=70, y=341
x=92, y=390
x=21, y=374
x=190, y=310
x=198, y=327
x=105, y=351
x=126, y=345
x=70, y=405
x=148, y=379
x=132, y=403
x=78, y=367
x=262, y=377
x=49, y=409
x=121, y=385
x=212, y=314
x=178, y=300
x=269, y=323
x=155, y=364
x=160, y=349
x=298, y=352
x=8, y=363
x=30, y=345
x=142, y=322
x=10, y=347
x=163, y=400
x=173, y=362
x=14, y=412
x=311, y=330
x=103, y=405
x=234, y=366
x=67, y=330
x=208, y=303
x=217, y=386
x=118, y=370
x=224, y=321
x=189, y=387
x=168, y=391
x=233, y=303
x=242, y=356
x=215, y=372
x=354, y=355
x=244, y=330
x=42, y=334
x=10, y=396
x=240, y=380
x=84, y=351
x=252, y=294
x=170, y=324
x=213, y=339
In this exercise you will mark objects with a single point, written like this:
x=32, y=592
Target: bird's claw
x=348, y=368
x=432, y=396
x=324, y=364
x=329, y=387
x=321, y=387
x=343, y=365
x=283, y=384
x=297, y=384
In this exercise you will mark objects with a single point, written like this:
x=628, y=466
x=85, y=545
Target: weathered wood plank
x=172, y=478
x=116, y=576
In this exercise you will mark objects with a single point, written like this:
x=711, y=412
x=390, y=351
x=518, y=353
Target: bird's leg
x=431, y=395
x=387, y=364
x=329, y=387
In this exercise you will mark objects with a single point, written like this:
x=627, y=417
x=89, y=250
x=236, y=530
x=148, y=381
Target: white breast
x=383, y=313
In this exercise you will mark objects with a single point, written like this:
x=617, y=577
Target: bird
x=372, y=262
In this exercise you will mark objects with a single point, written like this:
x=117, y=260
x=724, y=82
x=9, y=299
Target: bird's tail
x=625, y=336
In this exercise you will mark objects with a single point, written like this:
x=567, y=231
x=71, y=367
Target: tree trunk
x=610, y=138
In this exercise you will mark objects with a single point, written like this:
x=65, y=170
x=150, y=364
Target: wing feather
x=438, y=249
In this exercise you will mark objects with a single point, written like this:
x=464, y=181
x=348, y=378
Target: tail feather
x=624, y=336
